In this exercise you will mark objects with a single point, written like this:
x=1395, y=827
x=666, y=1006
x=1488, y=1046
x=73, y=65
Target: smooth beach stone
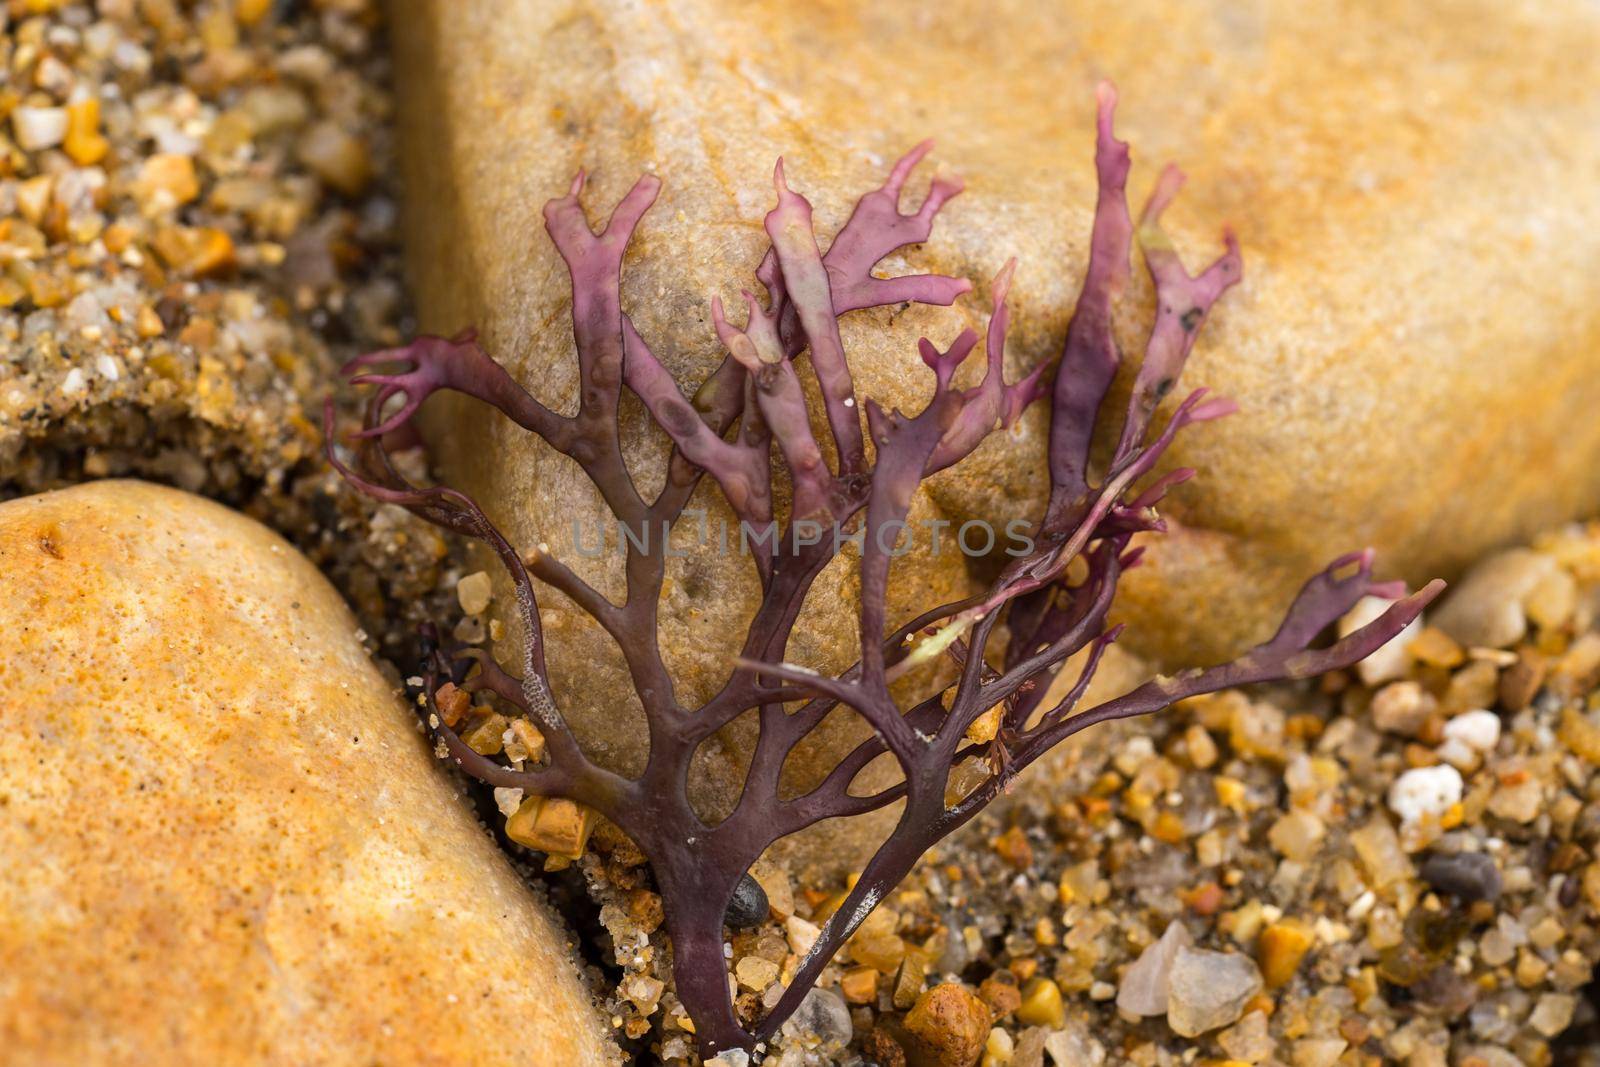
x=1414, y=345
x=224, y=839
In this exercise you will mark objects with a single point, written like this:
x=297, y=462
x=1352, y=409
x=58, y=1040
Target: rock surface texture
x=224, y=840
x=1413, y=347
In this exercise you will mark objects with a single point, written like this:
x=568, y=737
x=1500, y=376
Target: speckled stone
x=224, y=839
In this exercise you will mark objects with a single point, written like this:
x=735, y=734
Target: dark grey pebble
x=1468, y=876
x=748, y=906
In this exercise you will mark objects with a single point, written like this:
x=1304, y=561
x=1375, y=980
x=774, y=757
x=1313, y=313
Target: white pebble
x=129, y=56
x=507, y=799
x=1425, y=791
x=73, y=383
x=39, y=127
x=107, y=368
x=1468, y=736
x=53, y=76
x=99, y=39
x=1147, y=984
x=1391, y=659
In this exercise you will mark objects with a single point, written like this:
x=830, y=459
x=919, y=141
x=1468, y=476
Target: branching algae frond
x=752, y=408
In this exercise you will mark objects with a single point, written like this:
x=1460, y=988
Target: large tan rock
x=1414, y=346
x=224, y=840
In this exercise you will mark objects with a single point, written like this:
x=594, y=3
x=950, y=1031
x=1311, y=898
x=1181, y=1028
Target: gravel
x=186, y=256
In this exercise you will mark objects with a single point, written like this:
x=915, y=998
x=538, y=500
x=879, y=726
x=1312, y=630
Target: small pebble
x=1041, y=1004
x=749, y=904
x=1318, y=1051
x=1297, y=835
x=1485, y=608
x=165, y=182
x=39, y=127
x=1468, y=876
x=1209, y=990
x=1073, y=1047
x=1145, y=984
x=1378, y=848
x=508, y=800
x=1402, y=708
x=1425, y=791
x=1468, y=737
x=644, y=991
x=999, y=1049
x=859, y=985
x=474, y=592
x=823, y=1016
x=1391, y=659
x=755, y=973
x=1520, y=801
x=336, y=157
x=801, y=934
x=1553, y=1013
x=948, y=1026
x=1279, y=950
x=1249, y=1040
x=469, y=630
x=775, y=881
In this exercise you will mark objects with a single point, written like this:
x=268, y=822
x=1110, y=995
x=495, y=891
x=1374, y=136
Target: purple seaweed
x=1047, y=615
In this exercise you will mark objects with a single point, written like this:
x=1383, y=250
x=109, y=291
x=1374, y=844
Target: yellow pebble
x=199, y=251
x=251, y=12
x=880, y=951
x=83, y=141
x=859, y=985
x=166, y=180
x=529, y=737
x=1437, y=649
x=1580, y=734
x=1013, y=847
x=1280, y=949
x=1168, y=827
x=986, y=726
x=1041, y=1005
x=1230, y=791
x=33, y=197
x=555, y=825
x=486, y=734
x=148, y=323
